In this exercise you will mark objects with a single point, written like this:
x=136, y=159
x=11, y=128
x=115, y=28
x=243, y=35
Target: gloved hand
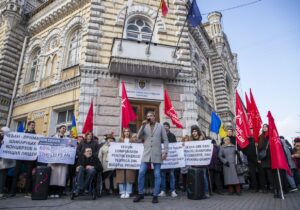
x=226, y=164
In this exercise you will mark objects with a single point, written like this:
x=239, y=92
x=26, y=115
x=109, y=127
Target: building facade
x=75, y=51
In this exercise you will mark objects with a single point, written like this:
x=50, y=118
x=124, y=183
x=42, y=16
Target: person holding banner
x=227, y=155
x=125, y=177
x=58, y=171
x=153, y=134
x=198, y=135
x=28, y=164
x=109, y=174
x=171, y=139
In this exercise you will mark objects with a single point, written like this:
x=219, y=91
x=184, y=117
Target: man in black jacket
x=29, y=165
x=87, y=167
x=171, y=139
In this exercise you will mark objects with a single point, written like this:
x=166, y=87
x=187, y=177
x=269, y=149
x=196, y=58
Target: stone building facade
x=76, y=51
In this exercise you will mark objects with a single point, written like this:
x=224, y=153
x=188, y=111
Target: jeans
x=141, y=178
x=125, y=188
x=291, y=180
x=163, y=180
x=206, y=190
x=84, y=178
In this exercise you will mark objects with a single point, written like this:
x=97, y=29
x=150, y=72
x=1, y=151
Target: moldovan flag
x=128, y=114
x=164, y=7
x=88, y=125
x=222, y=131
x=242, y=126
x=278, y=159
x=74, y=132
x=170, y=111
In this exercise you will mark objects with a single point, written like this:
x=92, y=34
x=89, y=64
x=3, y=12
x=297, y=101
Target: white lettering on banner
x=20, y=146
x=175, y=157
x=57, y=150
x=198, y=153
x=125, y=155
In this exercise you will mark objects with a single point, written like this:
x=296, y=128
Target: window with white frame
x=65, y=118
x=139, y=29
x=74, y=49
x=33, y=65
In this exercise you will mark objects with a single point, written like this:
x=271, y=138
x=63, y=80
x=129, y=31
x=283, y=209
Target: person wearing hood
x=197, y=135
x=28, y=164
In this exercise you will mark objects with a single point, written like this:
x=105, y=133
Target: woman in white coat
x=59, y=171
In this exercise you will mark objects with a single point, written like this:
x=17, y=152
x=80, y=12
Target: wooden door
x=141, y=110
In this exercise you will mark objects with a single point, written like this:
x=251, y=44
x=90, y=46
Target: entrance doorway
x=141, y=109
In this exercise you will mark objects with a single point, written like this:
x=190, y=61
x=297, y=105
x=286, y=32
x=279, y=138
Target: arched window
x=74, y=49
x=54, y=65
x=48, y=67
x=138, y=29
x=33, y=65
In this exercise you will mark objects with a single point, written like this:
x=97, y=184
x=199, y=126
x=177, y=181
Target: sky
x=266, y=37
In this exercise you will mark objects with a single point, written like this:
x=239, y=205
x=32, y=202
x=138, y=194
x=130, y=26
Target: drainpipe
x=16, y=82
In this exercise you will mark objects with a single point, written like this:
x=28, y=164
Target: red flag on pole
x=278, y=159
x=256, y=119
x=249, y=111
x=128, y=114
x=88, y=125
x=170, y=111
x=242, y=126
x=164, y=7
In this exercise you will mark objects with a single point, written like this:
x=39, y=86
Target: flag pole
x=177, y=45
x=125, y=18
x=280, y=185
x=148, y=48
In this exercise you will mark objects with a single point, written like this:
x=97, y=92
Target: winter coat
x=250, y=151
x=125, y=175
x=171, y=137
x=227, y=154
x=288, y=154
x=215, y=163
x=59, y=172
x=152, y=142
x=84, y=144
x=92, y=161
x=103, y=157
x=264, y=144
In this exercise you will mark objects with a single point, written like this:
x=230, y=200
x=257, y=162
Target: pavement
x=247, y=201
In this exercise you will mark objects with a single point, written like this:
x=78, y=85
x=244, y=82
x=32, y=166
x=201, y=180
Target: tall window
x=33, y=66
x=74, y=49
x=65, y=118
x=138, y=29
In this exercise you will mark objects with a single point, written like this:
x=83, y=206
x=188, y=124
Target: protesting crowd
x=231, y=169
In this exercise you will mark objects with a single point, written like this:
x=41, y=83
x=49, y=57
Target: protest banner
x=175, y=157
x=57, y=150
x=20, y=146
x=198, y=153
x=125, y=155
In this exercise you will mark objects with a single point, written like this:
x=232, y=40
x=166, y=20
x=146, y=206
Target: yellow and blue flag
x=215, y=123
x=222, y=131
x=74, y=132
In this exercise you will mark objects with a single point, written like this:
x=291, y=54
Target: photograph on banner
x=57, y=150
x=20, y=146
x=175, y=157
x=125, y=155
x=198, y=153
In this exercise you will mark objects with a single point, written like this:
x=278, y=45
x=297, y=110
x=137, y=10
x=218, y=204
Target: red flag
x=256, y=119
x=164, y=7
x=170, y=111
x=249, y=111
x=128, y=114
x=88, y=125
x=242, y=126
x=278, y=159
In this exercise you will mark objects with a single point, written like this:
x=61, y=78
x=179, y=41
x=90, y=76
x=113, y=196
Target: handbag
x=241, y=167
x=263, y=153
